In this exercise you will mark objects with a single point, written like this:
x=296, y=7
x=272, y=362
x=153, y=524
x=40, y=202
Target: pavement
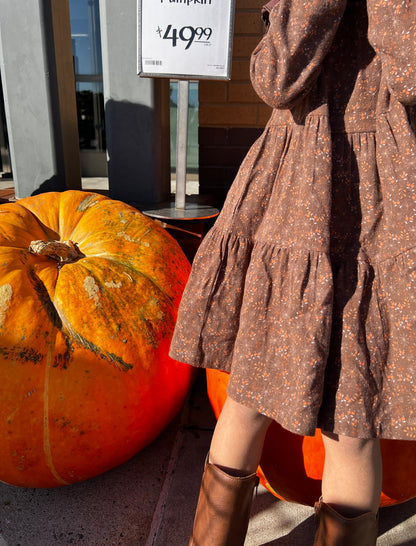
x=150, y=500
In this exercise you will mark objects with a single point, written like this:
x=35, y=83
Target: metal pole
x=182, y=143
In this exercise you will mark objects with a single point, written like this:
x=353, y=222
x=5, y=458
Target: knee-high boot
x=223, y=509
x=336, y=530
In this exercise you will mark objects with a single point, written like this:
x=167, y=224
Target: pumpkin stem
x=64, y=252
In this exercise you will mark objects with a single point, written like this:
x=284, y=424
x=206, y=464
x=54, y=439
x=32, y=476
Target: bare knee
x=244, y=415
x=238, y=438
x=348, y=446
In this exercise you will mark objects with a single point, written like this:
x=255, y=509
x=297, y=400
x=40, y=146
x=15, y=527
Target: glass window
x=90, y=107
x=86, y=49
x=85, y=34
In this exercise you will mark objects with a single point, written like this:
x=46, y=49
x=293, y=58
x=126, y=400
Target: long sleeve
x=288, y=59
x=392, y=33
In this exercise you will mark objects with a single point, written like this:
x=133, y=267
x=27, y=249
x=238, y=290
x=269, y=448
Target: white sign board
x=185, y=38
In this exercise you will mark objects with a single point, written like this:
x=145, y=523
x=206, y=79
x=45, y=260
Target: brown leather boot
x=223, y=510
x=336, y=530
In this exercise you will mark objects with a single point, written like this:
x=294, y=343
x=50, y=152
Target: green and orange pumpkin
x=291, y=465
x=89, y=289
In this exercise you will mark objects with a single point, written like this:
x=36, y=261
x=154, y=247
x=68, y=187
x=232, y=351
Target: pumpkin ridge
x=83, y=207
x=46, y=230
x=151, y=333
x=45, y=299
x=56, y=319
x=105, y=355
x=61, y=360
x=124, y=266
x=88, y=202
x=152, y=330
x=74, y=336
x=156, y=285
x=47, y=449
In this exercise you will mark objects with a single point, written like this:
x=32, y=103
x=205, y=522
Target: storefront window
x=90, y=106
x=85, y=33
x=86, y=49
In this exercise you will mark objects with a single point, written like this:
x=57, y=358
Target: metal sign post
x=182, y=143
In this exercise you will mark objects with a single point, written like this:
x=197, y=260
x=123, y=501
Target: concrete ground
x=150, y=500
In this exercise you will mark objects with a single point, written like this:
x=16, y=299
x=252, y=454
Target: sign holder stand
x=185, y=41
x=180, y=209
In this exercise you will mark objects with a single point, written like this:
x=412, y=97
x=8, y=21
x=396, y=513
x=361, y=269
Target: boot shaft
x=336, y=530
x=223, y=509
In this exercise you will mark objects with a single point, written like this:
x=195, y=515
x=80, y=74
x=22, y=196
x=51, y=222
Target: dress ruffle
x=282, y=346
x=309, y=342
x=208, y=319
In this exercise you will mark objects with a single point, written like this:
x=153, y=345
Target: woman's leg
x=347, y=514
x=351, y=481
x=223, y=510
x=238, y=439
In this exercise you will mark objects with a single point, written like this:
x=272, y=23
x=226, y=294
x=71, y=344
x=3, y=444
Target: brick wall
x=231, y=116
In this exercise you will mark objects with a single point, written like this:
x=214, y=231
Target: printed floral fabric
x=305, y=288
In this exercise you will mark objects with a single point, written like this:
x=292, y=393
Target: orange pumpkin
x=291, y=465
x=85, y=326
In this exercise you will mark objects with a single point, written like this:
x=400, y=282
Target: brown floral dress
x=305, y=288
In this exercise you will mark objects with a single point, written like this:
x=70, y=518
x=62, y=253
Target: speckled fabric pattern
x=305, y=288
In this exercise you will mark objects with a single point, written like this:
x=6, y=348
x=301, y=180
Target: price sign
x=185, y=38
